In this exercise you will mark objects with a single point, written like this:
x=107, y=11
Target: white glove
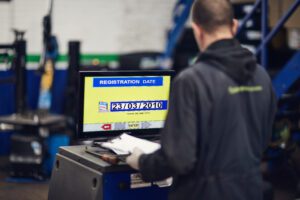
x=133, y=159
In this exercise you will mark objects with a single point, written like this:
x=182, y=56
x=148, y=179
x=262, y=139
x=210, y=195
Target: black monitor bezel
x=109, y=134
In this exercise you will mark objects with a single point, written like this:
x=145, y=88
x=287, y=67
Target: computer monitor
x=114, y=102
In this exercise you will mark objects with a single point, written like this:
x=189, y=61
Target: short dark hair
x=212, y=14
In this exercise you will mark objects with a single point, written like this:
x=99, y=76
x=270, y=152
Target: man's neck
x=212, y=38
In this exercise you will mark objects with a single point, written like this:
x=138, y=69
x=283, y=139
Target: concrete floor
x=39, y=191
x=20, y=191
x=13, y=191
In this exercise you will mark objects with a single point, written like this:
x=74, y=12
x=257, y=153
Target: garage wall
x=5, y=21
x=103, y=26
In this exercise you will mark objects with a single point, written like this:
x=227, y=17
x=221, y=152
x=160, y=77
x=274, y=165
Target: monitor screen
x=125, y=101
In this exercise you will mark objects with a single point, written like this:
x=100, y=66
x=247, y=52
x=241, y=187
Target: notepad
x=125, y=144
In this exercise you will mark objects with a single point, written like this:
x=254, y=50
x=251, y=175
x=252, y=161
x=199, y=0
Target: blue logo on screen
x=128, y=82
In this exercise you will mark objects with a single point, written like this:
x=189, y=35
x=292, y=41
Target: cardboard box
x=275, y=11
x=242, y=1
x=294, y=21
x=278, y=8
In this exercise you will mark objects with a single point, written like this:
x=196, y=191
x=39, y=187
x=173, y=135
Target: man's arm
x=179, y=136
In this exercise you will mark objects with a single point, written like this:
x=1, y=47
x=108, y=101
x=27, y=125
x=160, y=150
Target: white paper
x=126, y=143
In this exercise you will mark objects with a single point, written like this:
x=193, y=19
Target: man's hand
x=133, y=159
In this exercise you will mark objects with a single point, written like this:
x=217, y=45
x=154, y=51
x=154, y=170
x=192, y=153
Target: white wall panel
x=103, y=26
x=6, y=17
x=28, y=16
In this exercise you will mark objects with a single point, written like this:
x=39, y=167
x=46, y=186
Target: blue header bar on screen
x=128, y=82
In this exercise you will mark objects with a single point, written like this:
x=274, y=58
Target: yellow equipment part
x=47, y=78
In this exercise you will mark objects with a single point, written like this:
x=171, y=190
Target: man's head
x=212, y=20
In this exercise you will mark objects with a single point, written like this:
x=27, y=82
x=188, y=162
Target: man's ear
x=235, y=26
x=198, y=33
x=196, y=30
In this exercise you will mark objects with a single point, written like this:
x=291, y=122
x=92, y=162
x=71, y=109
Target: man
x=220, y=117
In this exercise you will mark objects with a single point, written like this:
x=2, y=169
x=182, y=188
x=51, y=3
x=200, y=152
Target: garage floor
x=39, y=191
x=20, y=191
